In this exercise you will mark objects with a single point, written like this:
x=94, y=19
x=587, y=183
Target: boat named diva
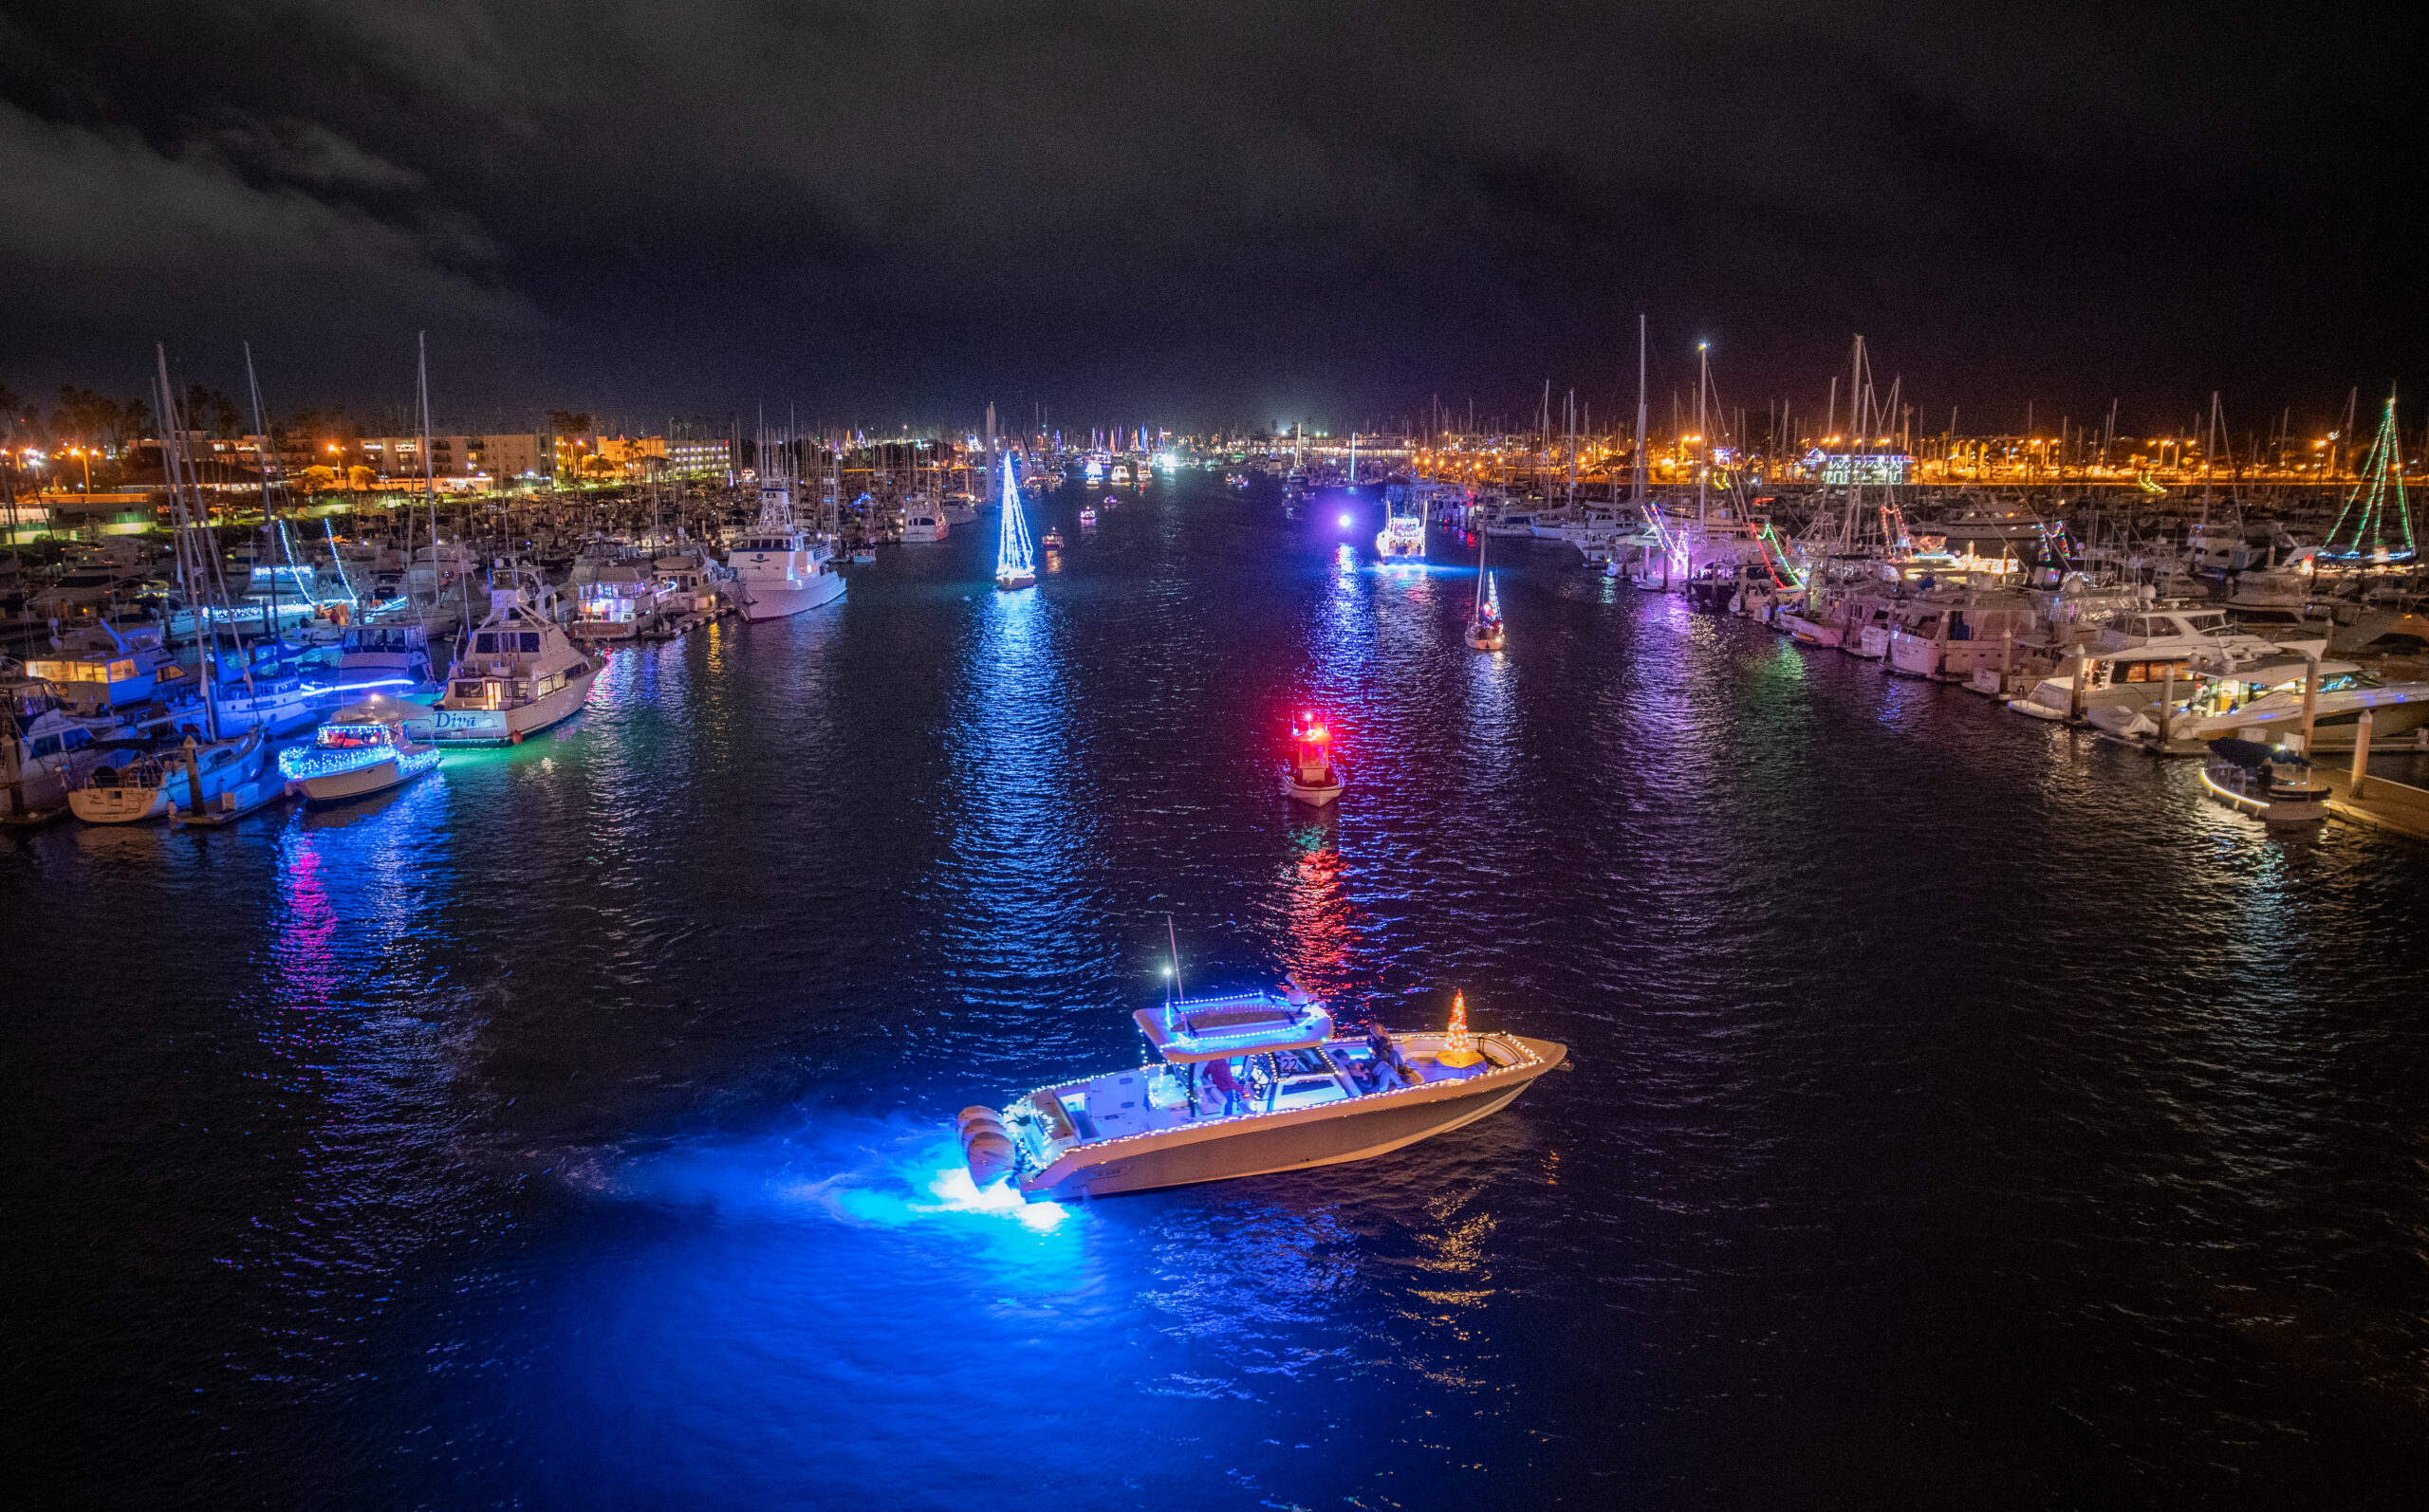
x=1250, y=1084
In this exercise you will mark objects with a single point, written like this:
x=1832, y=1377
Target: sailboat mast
x=182, y=500
x=1636, y=493
x=269, y=514
x=1703, y=441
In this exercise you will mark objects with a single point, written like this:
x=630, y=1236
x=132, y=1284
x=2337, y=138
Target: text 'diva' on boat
x=1248, y=1085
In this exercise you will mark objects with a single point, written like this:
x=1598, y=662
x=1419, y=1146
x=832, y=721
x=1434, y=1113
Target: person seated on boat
x=1386, y=1052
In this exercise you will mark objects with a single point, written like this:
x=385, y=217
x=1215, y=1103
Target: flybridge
x=1246, y=1023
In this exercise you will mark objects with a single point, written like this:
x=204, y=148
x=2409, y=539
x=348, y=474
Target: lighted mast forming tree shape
x=2367, y=505
x=1014, y=557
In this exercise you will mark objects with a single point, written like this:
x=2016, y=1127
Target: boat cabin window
x=494, y=641
x=2157, y=672
x=2204, y=624
x=471, y=689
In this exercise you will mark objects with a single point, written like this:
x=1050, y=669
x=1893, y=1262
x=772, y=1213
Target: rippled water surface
x=1963, y=1112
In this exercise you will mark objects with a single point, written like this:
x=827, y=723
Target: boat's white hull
x=780, y=598
x=120, y=806
x=378, y=777
x=1264, y=1143
x=502, y=727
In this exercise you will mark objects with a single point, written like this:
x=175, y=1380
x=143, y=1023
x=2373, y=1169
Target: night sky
x=1211, y=212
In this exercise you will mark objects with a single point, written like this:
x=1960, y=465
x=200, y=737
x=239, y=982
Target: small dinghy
x=2268, y=782
x=1314, y=775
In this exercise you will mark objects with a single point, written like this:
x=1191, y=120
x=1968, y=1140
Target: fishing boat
x=1248, y=1084
x=363, y=750
x=518, y=676
x=780, y=570
x=1015, y=564
x=2268, y=782
x=141, y=785
x=923, y=521
x=1314, y=775
x=1484, y=625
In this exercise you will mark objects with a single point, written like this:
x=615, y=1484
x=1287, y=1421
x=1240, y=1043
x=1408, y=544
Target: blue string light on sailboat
x=1015, y=560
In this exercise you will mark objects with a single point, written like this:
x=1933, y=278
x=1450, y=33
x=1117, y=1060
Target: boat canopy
x=1249, y=1023
x=380, y=709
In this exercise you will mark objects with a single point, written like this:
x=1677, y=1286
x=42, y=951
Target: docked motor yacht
x=1250, y=1084
x=518, y=676
x=102, y=665
x=1948, y=636
x=780, y=570
x=620, y=603
x=923, y=521
x=362, y=750
x=2264, y=701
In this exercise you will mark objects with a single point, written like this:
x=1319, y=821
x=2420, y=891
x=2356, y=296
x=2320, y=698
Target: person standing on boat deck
x=1219, y=1072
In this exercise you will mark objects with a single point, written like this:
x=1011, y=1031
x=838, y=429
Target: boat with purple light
x=1248, y=1084
x=363, y=750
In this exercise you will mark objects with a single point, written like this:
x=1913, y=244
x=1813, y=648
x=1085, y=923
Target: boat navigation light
x=1345, y=521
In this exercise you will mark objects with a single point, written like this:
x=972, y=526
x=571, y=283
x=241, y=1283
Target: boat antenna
x=1174, y=940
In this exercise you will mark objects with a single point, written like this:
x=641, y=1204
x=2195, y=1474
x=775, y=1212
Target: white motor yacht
x=619, y=604
x=923, y=521
x=779, y=570
x=518, y=676
x=1249, y=1085
x=101, y=665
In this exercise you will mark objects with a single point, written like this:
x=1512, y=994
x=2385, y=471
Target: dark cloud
x=887, y=211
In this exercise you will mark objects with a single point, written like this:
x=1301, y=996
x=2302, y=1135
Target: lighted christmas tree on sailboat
x=1016, y=560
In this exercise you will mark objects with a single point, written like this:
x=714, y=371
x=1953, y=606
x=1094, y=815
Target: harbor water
x=1960, y=1112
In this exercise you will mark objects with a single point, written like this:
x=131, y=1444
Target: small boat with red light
x=1248, y=1084
x=1052, y=539
x=1314, y=775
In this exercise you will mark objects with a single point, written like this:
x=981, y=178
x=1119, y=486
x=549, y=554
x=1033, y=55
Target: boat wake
x=877, y=1173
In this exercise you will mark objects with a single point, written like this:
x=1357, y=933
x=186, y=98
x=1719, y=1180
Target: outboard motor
x=986, y=1146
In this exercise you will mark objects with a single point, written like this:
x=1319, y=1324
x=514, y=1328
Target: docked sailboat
x=363, y=750
x=141, y=785
x=1250, y=1084
x=1016, y=560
